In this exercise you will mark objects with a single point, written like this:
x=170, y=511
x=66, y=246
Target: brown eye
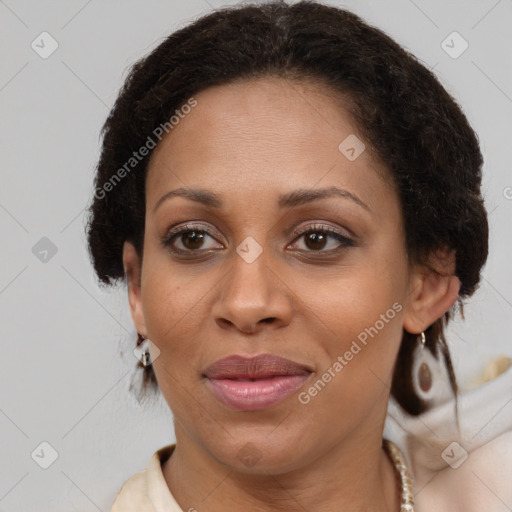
x=315, y=240
x=192, y=239
x=322, y=239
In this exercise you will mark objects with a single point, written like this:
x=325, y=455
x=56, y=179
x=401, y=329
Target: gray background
x=67, y=345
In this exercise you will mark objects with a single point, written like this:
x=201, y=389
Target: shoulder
x=466, y=469
x=492, y=465
x=133, y=495
x=147, y=490
x=481, y=482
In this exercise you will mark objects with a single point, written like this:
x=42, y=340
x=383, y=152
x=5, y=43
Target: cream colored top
x=147, y=491
x=467, y=472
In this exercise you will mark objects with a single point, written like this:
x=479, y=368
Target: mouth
x=251, y=383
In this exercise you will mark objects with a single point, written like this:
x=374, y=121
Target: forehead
x=262, y=134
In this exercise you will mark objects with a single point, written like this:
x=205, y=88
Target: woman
x=294, y=202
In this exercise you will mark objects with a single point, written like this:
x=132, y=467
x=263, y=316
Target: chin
x=260, y=453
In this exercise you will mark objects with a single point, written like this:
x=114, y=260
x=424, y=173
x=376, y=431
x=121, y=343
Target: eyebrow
x=288, y=200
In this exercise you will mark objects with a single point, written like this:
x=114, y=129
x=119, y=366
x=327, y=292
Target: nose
x=251, y=297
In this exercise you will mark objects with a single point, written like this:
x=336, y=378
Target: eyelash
x=344, y=240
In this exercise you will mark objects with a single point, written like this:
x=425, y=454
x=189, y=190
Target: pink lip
x=252, y=383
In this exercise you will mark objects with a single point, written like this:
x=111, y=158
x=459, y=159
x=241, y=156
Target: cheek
x=172, y=301
x=170, y=291
x=351, y=300
x=359, y=314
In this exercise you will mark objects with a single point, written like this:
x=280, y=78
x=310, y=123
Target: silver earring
x=430, y=378
x=145, y=356
x=424, y=373
x=142, y=350
x=423, y=367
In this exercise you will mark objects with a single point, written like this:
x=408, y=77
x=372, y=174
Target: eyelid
x=319, y=226
x=296, y=233
x=190, y=226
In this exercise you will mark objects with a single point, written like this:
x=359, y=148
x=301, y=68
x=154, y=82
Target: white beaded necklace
x=398, y=460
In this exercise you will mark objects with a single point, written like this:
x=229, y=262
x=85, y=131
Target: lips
x=258, y=382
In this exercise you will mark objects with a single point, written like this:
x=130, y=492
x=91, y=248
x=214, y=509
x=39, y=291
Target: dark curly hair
x=407, y=119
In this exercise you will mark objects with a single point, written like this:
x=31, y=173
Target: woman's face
x=243, y=279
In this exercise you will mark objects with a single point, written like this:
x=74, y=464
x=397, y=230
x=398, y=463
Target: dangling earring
x=422, y=370
x=430, y=378
x=424, y=373
x=143, y=374
x=146, y=351
x=142, y=350
x=146, y=356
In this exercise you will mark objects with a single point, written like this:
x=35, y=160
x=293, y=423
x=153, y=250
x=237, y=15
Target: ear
x=132, y=269
x=432, y=292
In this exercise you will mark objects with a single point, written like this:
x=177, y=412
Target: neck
x=355, y=475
